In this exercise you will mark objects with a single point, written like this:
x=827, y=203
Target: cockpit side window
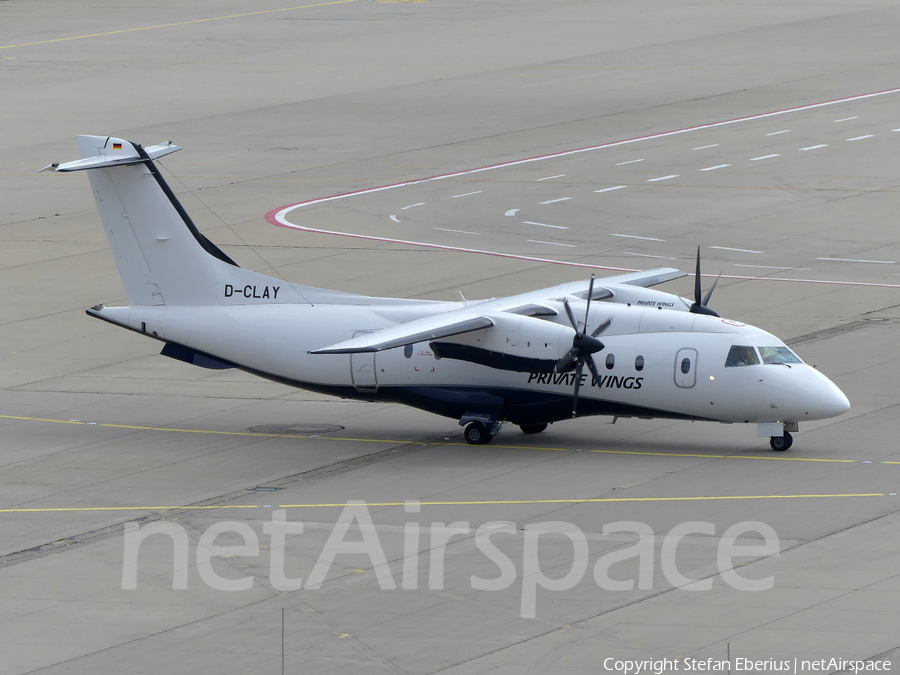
x=778, y=355
x=741, y=355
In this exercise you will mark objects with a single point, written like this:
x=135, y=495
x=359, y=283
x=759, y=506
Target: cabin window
x=407, y=351
x=685, y=366
x=639, y=363
x=778, y=355
x=610, y=361
x=741, y=355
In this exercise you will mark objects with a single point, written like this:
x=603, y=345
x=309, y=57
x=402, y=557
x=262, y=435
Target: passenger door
x=362, y=368
x=686, y=368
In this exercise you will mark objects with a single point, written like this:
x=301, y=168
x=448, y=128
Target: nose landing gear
x=781, y=443
x=779, y=435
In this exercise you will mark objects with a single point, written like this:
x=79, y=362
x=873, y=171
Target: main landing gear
x=480, y=429
x=781, y=443
x=477, y=433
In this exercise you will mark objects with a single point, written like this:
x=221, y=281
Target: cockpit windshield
x=778, y=355
x=741, y=355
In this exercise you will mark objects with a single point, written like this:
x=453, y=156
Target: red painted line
x=458, y=249
x=278, y=216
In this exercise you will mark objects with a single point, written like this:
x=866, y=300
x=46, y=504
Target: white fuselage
x=643, y=370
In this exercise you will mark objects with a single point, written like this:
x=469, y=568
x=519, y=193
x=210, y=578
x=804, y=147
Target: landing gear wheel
x=532, y=428
x=477, y=434
x=781, y=443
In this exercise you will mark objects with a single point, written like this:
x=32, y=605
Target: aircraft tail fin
x=163, y=259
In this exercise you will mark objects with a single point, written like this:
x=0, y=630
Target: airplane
x=530, y=359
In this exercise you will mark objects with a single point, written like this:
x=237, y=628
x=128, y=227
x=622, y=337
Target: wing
x=421, y=330
x=512, y=315
x=645, y=279
x=505, y=340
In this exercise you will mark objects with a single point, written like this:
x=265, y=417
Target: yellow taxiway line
x=178, y=23
x=449, y=443
x=491, y=502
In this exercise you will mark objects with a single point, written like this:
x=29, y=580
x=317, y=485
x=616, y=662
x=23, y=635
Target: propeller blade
x=602, y=327
x=592, y=367
x=587, y=306
x=700, y=304
x=564, y=365
x=578, y=372
x=697, y=291
x=710, y=291
x=571, y=316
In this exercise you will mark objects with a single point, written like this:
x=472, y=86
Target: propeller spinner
x=583, y=345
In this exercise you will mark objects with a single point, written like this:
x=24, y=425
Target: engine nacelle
x=623, y=294
x=519, y=343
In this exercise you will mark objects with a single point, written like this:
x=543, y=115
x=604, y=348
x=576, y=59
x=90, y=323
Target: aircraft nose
x=830, y=400
x=839, y=401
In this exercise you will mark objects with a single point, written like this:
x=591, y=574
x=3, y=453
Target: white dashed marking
x=634, y=236
x=847, y=119
x=756, y=159
x=444, y=229
x=610, y=189
x=814, y=147
x=776, y=133
x=467, y=194
x=395, y=219
x=859, y=138
x=551, y=243
x=412, y=205
x=630, y=161
x=879, y=262
x=511, y=212
x=555, y=227
x=771, y=267
x=553, y=201
x=653, y=180
x=717, y=166
x=739, y=250
x=562, y=175
x=647, y=255
x=704, y=147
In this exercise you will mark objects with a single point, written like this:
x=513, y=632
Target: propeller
x=583, y=345
x=702, y=306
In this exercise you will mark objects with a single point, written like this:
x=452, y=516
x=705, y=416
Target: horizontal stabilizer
x=114, y=152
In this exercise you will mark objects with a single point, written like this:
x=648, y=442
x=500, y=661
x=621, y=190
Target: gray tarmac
x=279, y=105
